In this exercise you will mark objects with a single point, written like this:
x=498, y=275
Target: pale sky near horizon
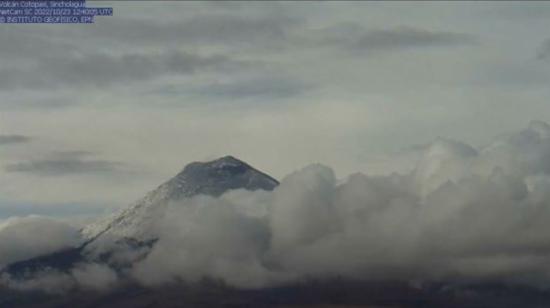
x=94, y=116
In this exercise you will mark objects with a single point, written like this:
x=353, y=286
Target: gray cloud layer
x=104, y=70
x=356, y=38
x=206, y=28
x=64, y=163
x=408, y=37
x=12, y=139
x=255, y=36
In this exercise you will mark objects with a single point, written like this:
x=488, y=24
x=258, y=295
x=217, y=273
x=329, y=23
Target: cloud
x=526, y=11
x=544, y=50
x=84, y=276
x=211, y=28
x=159, y=40
x=463, y=215
x=356, y=38
x=64, y=163
x=103, y=69
x=220, y=242
x=68, y=210
x=262, y=88
x=95, y=276
x=407, y=37
x=174, y=26
x=25, y=42
x=181, y=41
x=22, y=238
x=27, y=237
x=48, y=281
x=13, y=139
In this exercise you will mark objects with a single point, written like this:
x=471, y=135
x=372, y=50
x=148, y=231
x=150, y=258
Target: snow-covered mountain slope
x=209, y=178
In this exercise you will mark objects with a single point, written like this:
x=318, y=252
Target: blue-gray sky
x=95, y=115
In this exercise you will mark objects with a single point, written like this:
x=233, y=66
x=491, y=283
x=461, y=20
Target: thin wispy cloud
x=409, y=37
x=14, y=139
x=356, y=38
x=64, y=163
x=264, y=87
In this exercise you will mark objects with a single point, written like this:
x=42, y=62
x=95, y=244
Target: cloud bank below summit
x=462, y=215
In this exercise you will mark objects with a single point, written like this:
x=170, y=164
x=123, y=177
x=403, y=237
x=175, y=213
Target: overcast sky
x=93, y=116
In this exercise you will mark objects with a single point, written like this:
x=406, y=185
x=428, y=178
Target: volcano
x=132, y=227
